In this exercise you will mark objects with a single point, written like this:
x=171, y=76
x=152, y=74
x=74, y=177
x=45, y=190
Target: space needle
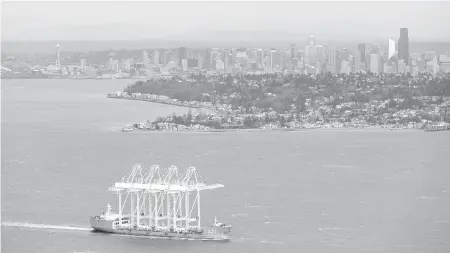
x=58, y=62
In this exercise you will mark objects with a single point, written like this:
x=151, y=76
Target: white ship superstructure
x=160, y=202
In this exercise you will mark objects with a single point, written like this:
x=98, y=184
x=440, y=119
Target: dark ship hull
x=107, y=226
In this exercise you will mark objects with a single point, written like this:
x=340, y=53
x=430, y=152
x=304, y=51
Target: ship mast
x=167, y=191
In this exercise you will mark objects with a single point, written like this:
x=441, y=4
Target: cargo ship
x=163, y=203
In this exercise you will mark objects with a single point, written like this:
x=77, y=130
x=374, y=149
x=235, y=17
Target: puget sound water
x=307, y=191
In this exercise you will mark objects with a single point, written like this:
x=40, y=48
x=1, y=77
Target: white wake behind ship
x=160, y=203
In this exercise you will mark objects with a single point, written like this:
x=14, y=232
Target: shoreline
x=159, y=102
x=204, y=129
x=73, y=78
x=274, y=130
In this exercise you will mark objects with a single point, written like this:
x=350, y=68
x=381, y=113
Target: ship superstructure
x=160, y=202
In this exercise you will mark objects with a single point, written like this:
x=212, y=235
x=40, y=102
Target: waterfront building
x=127, y=64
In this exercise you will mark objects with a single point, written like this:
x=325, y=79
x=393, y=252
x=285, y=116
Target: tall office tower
x=260, y=58
x=116, y=65
x=403, y=46
x=401, y=66
x=182, y=54
x=166, y=58
x=287, y=57
x=311, y=55
x=345, y=67
x=312, y=40
x=357, y=63
x=226, y=61
x=156, y=57
x=362, y=52
x=213, y=57
x=332, y=59
x=207, y=60
x=145, y=59
x=200, y=62
x=345, y=54
x=391, y=49
x=272, y=60
x=293, y=51
x=374, y=63
x=320, y=54
x=362, y=49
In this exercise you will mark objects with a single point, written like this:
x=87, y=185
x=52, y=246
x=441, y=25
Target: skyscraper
x=272, y=60
x=362, y=51
x=401, y=66
x=403, y=46
x=207, y=60
x=156, y=57
x=293, y=51
x=374, y=63
x=312, y=40
x=332, y=59
x=145, y=58
x=391, y=49
x=357, y=63
x=182, y=54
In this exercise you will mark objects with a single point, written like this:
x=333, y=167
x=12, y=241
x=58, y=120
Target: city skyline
x=34, y=21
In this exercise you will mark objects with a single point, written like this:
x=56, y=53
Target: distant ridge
x=217, y=38
x=48, y=47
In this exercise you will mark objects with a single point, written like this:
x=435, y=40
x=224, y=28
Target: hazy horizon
x=196, y=21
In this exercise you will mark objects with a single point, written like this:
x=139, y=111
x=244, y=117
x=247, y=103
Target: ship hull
x=106, y=226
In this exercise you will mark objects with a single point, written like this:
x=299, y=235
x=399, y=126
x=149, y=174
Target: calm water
x=311, y=191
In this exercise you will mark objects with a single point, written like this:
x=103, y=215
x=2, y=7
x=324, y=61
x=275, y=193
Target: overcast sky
x=146, y=20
